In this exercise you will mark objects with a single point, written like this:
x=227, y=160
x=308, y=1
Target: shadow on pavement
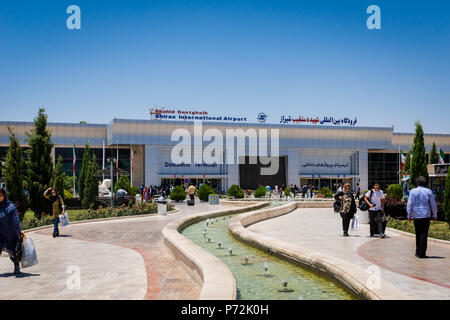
x=19, y=275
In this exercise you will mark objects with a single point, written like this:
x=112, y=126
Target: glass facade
x=383, y=169
x=67, y=155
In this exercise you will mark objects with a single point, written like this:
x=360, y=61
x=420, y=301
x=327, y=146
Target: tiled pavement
x=321, y=230
x=117, y=259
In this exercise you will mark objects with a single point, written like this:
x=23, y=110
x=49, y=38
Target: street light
x=111, y=162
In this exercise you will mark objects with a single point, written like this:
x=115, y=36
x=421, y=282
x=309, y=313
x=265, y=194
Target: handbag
x=29, y=257
x=64, y=219
x=337, y=206
x=355, y=223
x=363, y=206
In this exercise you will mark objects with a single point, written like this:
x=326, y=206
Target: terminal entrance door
x=331, y=183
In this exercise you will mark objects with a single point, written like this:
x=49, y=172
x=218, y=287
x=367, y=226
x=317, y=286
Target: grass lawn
x=72, y=214
x=438, y=229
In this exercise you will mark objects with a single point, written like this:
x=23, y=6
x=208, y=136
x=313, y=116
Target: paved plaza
x=127, y=258
x=117, y=259
x=320, y=230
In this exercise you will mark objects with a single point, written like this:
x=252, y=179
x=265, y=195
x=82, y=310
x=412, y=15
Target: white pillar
x=152, y=165
x=363, y=168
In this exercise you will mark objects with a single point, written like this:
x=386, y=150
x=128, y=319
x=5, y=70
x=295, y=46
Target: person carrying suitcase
x=191, y=191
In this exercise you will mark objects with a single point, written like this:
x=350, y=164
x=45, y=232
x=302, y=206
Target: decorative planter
x=213, y=199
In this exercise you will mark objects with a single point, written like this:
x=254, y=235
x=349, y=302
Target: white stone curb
x=346, y=273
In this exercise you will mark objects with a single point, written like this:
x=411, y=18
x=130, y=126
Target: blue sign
x=186, y=180
x=262, y=117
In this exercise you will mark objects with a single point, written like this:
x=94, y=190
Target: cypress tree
x=39, y=164
x=407, y=167
x=91, y=184
x=419, y=162
x=434, y=159
x=14, y=177
x=59, y=177
x=84, y=171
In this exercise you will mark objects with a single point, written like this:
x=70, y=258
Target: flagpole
x=103, y=160
x=117, y=162
x=132, y=159
x=73, y=171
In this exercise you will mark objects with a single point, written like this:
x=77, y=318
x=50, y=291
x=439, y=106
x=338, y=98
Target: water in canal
x=262, y=276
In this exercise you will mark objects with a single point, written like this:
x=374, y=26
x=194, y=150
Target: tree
x=90, y=184
x=83, y=173
x=59, y=177
x=204, y=191
x=419, y=159
x=434, y=159
x=39, y=164
x=123, y=183
x=407, y=167
x=446, y=205
x=13, y=172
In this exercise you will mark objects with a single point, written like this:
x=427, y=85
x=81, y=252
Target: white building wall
x=233, y=174
x=152, y=165
x=363, y=167
x=293, y=167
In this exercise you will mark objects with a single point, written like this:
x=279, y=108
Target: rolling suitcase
x=190, y=202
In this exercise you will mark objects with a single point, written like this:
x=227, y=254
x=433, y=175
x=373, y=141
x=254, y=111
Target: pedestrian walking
x=191, y=191
x=57, y=208
x=375, y=200
x=421, y=208
x=10, y=230
x=348, y=207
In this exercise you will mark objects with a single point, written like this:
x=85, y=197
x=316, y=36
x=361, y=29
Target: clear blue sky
x=309, y=58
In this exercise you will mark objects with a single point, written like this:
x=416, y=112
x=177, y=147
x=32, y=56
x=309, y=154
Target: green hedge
x=395, y=191
x=235, y=191
x=287, y=191
x=178, y=194
x=204, y=191
x=325, y=191
x=260, y=192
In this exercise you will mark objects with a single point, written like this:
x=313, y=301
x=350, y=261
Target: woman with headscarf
x=348, y=207
x=57, y=208
x=10, y=230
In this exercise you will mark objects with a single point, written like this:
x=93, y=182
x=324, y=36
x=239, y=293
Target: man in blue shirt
x=421, y=207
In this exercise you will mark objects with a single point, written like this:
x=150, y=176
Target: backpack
x=363, y=206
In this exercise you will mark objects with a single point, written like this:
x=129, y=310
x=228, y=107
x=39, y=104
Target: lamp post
x=111, y=162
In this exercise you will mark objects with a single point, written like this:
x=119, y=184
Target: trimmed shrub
x=235, y=191
x=326, y=193
x=178, y=194
x=260, y=192
x=395, y=208
x=134, y=191
x=204, y=191
x=123, y=183
x=395, y=191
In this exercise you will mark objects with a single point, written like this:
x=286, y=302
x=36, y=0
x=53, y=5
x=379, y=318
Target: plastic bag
x=355, y=223
x=64, y=219
x=29, y=257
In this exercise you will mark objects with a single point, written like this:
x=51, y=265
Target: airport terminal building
x=319, y=154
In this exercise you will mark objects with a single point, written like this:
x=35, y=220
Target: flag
x=132, y=158
x=403, y=159
x=441, y=156
x=74, y=158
